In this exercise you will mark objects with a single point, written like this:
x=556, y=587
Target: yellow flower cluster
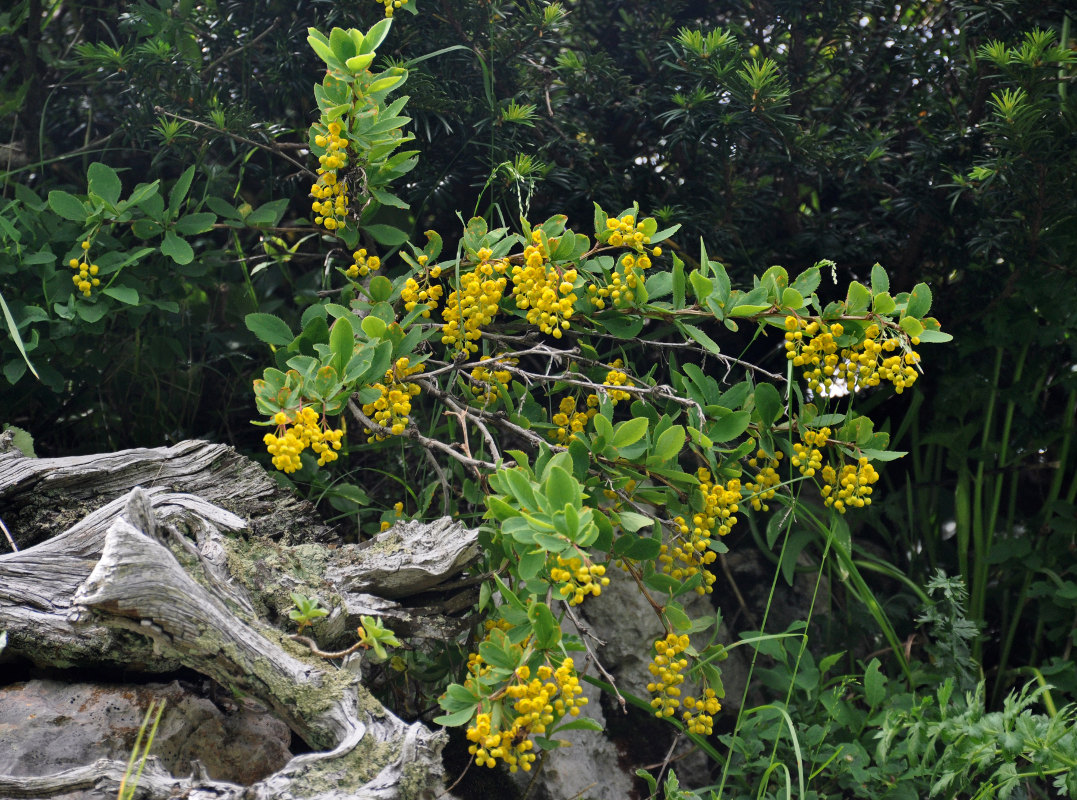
x=474, y=305
x=569, y=421
x=362, y=264
x=391, y=6
x=547, y=294
x=413, y=293
x=393, y=407
x=626, y=232
x=813, y=346
x=689, y=552
x=699, y=716
x=852, y=485
x=615, y=377
x=762, y=488
x=537, y=703
x=807, y=457
x=578, y=580
x=872, y=362
x=330, y=193
x=296, y=433
x=86, y=277
x=668, y=671
x=486, y=383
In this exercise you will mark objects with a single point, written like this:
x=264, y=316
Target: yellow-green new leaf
x=359, y=63
x=375, y=36
x=385, y=84
x=629, y=432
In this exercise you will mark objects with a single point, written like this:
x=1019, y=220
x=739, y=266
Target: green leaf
x=104, y=182
x=179, y=192
x=146, y=228
x=267, y=215
x=919, y=302
x=874, y=684
x=880, y=281
x=270, y=329
x=190, y=224
x=638, y=548
x=792, y=300
x=669, y=444
x=658, y=284
x=547, y=631
x=359, y=63
x=176, y=248
x=629, y=431
x=631, y=521
x=319, y=44
x=662, y=583
x=497, y=656
x=883, y=455
x=699, y=337
x=580, y=724
x=342, y=44
x=143, y=192
x=67, y=206
x=457, y=717
x=520, y=487
x=388, y=198
x=768, y=403
x=678, y=283
x=387, y=83
x=677, y=617
x=562, y=488
x=935, y=337
x=748, y=309
x=124, y=294
x=386, y=235
x=381, y=288
x=376, y=35
x=730, y=426
x=883, y=303
x=531, y=564
x=621, y=325
x=507, y=594
x=91, y=312
x=551, y=542
x=911, y=326
x=807, y=281
x=13, y=331
x=702, y=286
x=858, y=299
x=341, y=343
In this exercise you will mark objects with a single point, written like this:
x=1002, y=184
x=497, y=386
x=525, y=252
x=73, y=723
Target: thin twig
x=425, y=441
x=274, y=148
x=321, y=653
x=584, y=633
x=441, y=479
x=7, y=534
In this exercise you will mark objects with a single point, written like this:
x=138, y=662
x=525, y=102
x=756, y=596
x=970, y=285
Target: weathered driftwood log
x=160, y=578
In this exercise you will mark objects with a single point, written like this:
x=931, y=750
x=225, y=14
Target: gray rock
x=47, y=726
x=590, y=768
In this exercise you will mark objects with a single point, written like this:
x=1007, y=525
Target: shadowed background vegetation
x=939, y=139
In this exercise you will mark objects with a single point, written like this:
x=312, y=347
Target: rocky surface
x=47, y=726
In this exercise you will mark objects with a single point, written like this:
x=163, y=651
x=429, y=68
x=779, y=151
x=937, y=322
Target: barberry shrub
x=571, y=387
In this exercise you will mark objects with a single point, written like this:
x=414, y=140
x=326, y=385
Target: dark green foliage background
x=889, y=110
